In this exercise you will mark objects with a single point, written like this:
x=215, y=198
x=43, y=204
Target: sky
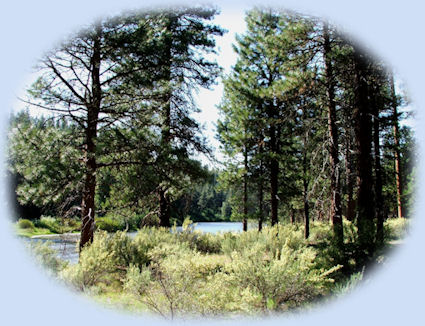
x=232, y=20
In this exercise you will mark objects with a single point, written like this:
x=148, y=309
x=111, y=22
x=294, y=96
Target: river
x=65, y=245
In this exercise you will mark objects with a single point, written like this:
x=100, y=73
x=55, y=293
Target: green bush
x=137, y=282
x=149, y=220
x=191, y=273
x=124, y=251
x=109, y=224
x=206, y=242
x=348, y=285
x=270, y=238
x=180, y=282
x=25, y=224
x=72, y=224
x=320, y=232
x=395, y=228
x=149, y=238
x=50, y=223
x=96, y=264
x=47, y=257
x=284, y=279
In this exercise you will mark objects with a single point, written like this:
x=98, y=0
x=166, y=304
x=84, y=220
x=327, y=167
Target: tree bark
x=305, y=196
x=260, y=196
x=349, y=180
x=363, y=140
x=398, y=173
x=260, y=206
x=245, y=192
x=164, y=209
x=336, y=209
x=166, y=138
x=274, y=174
x=379, y=203
x=93, y=108
x=292, y=217
x=164, y=202
x=274, y=177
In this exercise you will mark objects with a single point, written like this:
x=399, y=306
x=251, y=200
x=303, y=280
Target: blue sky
x=231, y=19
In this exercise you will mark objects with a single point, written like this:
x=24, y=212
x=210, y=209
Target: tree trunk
x=260, y=206
x=93, y=108
x=398, y=174
x=305, y=197
x=260, y=190
x=351, y=203
x=88, y=203
x=336, y=209
x=379, y=204
x=363, y=140
x=245, y=192
x=166, y=137
x=274, y=176
x=305, y=178
x=260, y=194
x=164, y=209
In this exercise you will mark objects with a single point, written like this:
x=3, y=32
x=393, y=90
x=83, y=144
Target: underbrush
x=193, y=273
x=190, y=273
x=46, y=225
x=395, y=228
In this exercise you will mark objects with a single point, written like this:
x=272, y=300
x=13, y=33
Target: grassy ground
x=28, y=233
x=46, y=225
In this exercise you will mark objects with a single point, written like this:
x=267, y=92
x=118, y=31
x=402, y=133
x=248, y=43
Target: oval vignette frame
x=392, y=298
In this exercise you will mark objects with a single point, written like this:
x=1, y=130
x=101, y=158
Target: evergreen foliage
x=316, y=150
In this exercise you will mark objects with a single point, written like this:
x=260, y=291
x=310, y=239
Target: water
x=215, y=227
x=66, y=246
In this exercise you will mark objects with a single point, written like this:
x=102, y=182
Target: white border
x=394, y=31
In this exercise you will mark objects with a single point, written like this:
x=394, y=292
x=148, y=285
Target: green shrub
x=149, y=220
x=192, y=273
x=25, y=224
x=124, y=251
x=202, y=242
x=206, y=242
x=180, y=281
x=137, y=282
x=149, y=238
x=50, y=223
x=134, y=222
x=395, y=228
x=47, y=257
x=71, y=224
x=109, y=224
x=320, y=232
x=270, y=238
x=348, y=285
x=283, y=281
x=96, y=264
